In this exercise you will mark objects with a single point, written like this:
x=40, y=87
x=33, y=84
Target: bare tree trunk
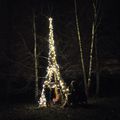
x=94, y=42
x=91, y=54
x=35, y=58
x=80, y=47
x=92, y=45
x=96, y=24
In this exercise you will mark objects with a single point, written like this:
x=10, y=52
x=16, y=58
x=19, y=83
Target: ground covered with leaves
x=97, y=109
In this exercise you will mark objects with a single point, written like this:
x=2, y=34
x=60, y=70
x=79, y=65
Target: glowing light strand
x=52, y=70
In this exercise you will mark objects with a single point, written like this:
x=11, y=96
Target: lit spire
x=52, y=69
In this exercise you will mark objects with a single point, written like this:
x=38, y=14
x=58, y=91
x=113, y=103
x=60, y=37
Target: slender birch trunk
x=80, y=48
x=35, y=58
x=91, y=54
x=92, y=44
x=94, y=34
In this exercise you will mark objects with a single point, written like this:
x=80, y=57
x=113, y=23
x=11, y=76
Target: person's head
x=72, y=82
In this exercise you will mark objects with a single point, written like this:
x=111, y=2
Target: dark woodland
x=18, y=99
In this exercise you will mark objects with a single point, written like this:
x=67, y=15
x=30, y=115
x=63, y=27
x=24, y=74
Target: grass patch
x=97, y=109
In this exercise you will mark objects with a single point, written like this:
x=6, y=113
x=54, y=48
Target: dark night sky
x=16, y=10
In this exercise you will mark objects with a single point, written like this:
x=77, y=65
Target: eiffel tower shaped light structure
x=53, y=71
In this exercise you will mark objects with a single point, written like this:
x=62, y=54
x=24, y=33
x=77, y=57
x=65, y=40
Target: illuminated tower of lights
x=53, y=77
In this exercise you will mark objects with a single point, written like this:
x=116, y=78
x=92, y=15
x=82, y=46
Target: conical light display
x=53, y=72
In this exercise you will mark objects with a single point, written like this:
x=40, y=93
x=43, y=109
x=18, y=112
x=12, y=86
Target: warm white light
x=52, y=69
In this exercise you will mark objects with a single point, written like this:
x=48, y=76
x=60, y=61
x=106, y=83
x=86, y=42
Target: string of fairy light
x=53, y=70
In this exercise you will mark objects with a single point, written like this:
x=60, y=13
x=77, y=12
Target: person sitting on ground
x=71, y=99
x=48, y=95
x=56, y=99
